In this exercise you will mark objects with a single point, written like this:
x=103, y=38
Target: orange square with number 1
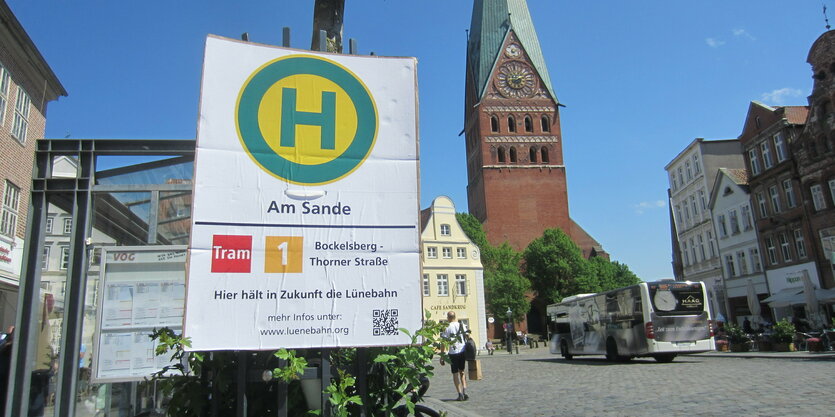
x=283, y=254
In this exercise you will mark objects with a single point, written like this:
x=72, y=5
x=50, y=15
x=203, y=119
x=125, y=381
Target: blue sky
x=640, y=81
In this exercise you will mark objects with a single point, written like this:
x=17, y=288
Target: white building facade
x=739, y=254
x=691, y=177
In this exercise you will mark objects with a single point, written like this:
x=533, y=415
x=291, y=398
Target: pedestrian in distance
x=455, y=333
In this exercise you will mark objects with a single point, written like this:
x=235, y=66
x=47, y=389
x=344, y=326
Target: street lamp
x=509, y=330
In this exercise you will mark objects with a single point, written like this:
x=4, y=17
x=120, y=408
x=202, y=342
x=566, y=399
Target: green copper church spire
x=491, y=22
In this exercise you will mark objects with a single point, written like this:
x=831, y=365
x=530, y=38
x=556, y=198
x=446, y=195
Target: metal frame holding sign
x=305, y=228
x=140, y=289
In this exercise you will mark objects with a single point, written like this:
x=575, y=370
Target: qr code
x=385, y=322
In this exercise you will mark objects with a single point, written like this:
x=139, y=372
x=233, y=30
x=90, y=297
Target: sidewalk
x=440, y=398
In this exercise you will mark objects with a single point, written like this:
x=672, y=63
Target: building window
x=67, y=226
x=775, y=198
x=693, y=250
x=543, y=153
x=693, y=205
x=501, y=155
x=761, y=205
x=746, y=217
x=45, y=258
x=702, y=199
x=445, y=230
x=729, y=265
x=443, y=284
x=4, y=92
x=673, y=183
x=755, y=161
x=679, y=218
x=687, y=213
x=780, y=147
x=447, y=252
x=785, y=248
x=426, y=289
x=494, y=124
x=743, y=265
x=532, y=153
x=431, y=252
x=772, y=250
x=817, y=197
x=685, y=254
x=512, y=155
x=528, y=124
x=21, y=116
x=65, y=257
x=791, y=201
x=766, y=151
x=732, y=217
x=461, y=252
x=689, y=170
x=755, y=260
x=11, y=203
x=696, y=166
x=723, y=229
x=680, y=177
x=832, y=190
x=546, y=124
x=461, y=284
x=702, y=247
x=49, y=223
x=710, y=244
x=511, y=124
x=799, y=244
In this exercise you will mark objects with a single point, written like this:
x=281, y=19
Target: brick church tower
x=516, y=174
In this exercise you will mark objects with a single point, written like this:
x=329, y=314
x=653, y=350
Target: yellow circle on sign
x=308, y=149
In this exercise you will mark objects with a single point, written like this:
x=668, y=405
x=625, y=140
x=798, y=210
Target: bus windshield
x=677, y=298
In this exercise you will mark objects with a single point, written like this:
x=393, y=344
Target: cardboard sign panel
x=305, y=225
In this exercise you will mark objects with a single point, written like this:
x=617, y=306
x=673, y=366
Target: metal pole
x=281, y=390
x=240, y=403
x=285, y=37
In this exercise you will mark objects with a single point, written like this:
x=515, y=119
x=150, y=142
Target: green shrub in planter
x=783, y=332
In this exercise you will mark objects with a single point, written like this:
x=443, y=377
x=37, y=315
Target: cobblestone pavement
x=537, y=383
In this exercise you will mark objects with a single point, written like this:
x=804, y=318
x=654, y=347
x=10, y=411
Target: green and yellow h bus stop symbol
x=306, y=120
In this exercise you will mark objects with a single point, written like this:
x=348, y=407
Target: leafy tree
x=556, y=267
x=612, y=275
x=504, y=285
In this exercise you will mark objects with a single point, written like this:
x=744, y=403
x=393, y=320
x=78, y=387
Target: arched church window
x=511, y=124
x=501, y=155
x=544, y=153
x=533, y=155
x=546, y=124
x=494, y=124
x=528, y=124
x=512, y=155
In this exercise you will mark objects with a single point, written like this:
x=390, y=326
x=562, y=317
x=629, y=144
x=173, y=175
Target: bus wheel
x=564, y=351
x=665, y=358
x=612, y=350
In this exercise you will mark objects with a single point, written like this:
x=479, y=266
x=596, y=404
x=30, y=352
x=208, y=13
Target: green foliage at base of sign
x=393, y=375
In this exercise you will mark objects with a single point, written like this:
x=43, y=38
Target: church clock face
x=516, y=79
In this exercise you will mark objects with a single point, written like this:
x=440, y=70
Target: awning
x=825, y=296
x=786, y=297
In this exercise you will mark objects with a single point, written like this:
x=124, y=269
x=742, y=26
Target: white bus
x=658, y=319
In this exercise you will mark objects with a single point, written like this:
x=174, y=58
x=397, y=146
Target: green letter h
x=290, y=117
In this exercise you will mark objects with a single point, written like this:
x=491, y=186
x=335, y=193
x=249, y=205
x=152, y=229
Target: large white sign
x=305, y=216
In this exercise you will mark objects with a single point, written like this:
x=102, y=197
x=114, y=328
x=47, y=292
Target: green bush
x=783, y=332
x=736, y=334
